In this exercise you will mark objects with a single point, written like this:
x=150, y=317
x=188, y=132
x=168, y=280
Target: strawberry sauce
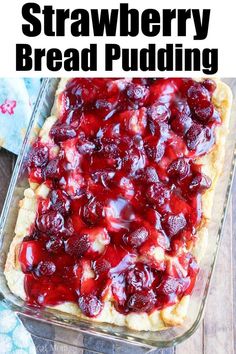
x=125, y=194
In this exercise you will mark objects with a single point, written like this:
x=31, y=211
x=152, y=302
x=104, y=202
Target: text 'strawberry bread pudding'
x=122, y=178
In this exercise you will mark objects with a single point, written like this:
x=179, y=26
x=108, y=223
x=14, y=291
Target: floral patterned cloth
x=14, y=339
x=17, y=98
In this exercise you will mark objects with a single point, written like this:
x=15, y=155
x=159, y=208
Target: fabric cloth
x=17, y=99
x=14, y=339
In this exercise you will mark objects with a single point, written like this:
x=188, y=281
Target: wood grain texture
x=218, y=329
x=234, y=256
x=7, y=161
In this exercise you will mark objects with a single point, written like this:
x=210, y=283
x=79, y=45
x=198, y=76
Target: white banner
x=112, y=38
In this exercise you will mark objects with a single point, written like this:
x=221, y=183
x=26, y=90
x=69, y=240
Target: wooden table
x=215, y=334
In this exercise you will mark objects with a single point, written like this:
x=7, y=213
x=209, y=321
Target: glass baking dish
x=148, y=340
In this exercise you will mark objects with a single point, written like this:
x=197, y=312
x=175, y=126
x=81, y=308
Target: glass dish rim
x=135, y=341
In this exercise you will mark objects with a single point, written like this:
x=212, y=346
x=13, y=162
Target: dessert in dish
x=122, y=179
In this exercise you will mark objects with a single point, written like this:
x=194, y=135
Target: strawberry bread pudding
x=121, y=183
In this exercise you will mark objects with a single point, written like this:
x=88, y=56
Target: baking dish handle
x=59, y=339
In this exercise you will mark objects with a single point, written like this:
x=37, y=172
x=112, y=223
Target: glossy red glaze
x=126, y=181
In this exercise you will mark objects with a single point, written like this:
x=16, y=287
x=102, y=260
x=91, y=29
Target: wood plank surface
x=7, y=161
x=215, y=334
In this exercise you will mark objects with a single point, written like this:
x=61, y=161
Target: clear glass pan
x=69, y=323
